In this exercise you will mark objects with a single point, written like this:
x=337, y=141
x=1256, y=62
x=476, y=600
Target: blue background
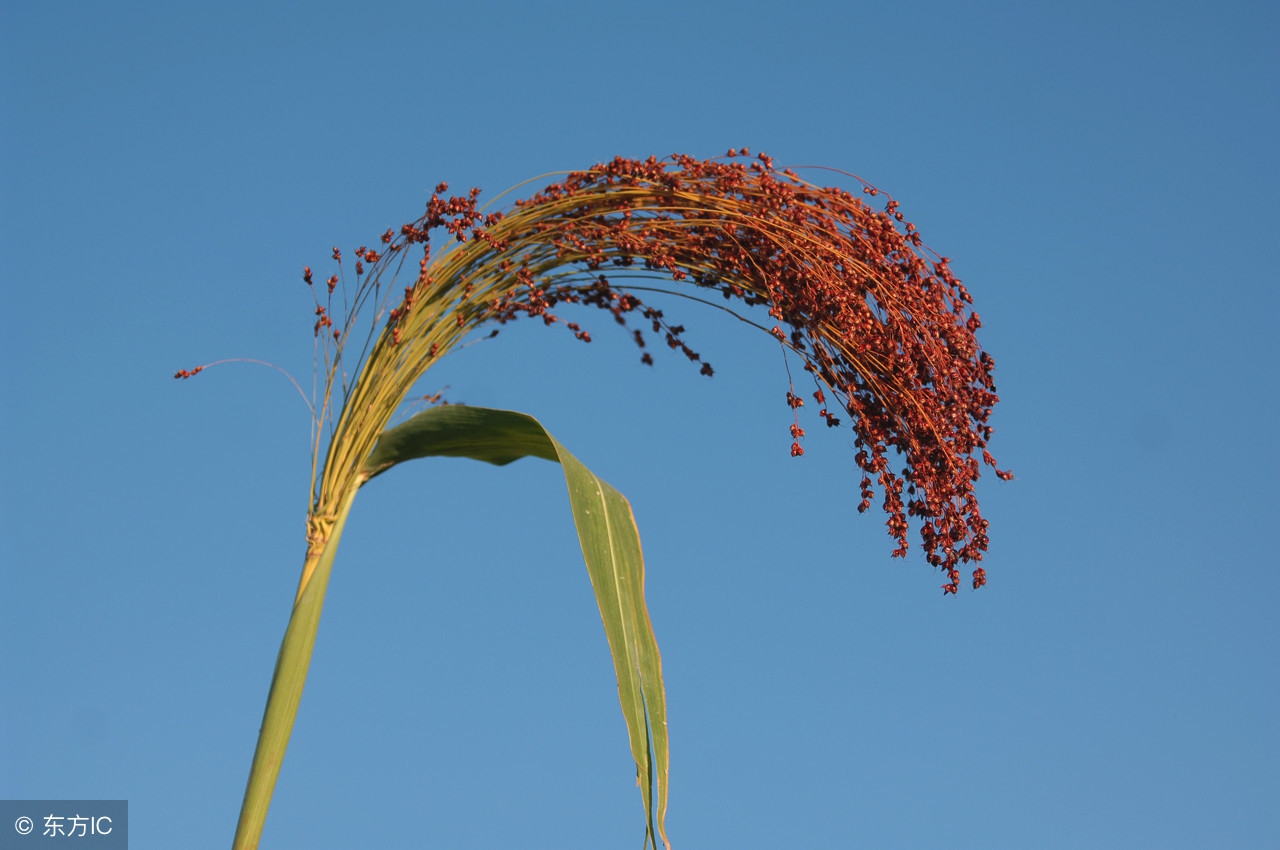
x=1103, y=176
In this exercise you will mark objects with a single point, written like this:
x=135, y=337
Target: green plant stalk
x=287, y=683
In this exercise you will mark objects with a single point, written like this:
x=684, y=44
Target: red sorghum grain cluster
x=885, y=329
x=882, y=324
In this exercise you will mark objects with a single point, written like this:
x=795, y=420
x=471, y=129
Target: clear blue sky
x=1102, y=174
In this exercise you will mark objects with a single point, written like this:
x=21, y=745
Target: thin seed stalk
x=290, y=676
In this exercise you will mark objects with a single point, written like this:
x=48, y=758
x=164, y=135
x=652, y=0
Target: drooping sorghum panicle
x=883, y=325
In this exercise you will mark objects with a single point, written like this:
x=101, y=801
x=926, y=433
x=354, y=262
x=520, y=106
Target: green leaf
x=610, y=547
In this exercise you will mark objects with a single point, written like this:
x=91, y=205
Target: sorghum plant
x=881, y=324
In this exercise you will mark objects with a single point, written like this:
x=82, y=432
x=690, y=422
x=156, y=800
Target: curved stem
x=287, y=682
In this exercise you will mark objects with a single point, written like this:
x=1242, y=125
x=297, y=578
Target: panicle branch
x=881, y=323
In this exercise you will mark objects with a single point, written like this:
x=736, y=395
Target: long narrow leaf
x=610, y=547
